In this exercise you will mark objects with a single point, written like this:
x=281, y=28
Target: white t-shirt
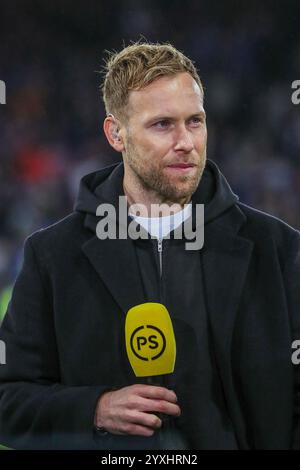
x=160, y=227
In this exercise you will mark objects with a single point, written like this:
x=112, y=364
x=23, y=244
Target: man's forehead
x=167, y=91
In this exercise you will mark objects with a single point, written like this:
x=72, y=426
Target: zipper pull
x=159, y=247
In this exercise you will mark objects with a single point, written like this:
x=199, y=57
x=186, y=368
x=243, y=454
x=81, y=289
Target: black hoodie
x=204, y=423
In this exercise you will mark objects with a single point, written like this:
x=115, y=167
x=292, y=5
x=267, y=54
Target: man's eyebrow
x=199, y=113
x=162, y=117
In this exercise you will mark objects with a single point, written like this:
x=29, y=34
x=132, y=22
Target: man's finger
x=157, y=393
x=162, y=406
x=145, y=419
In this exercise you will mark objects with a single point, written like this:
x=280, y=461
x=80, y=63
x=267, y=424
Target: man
x=233, y=303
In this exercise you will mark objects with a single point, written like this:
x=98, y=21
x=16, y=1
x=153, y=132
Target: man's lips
x=181, y=168
x=181, y=165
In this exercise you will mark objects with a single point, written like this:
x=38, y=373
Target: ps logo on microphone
x=148, y=342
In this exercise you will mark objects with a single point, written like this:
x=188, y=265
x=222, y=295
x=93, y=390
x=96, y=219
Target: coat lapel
x=115, y=262
x=115, y=259
x=226, y=258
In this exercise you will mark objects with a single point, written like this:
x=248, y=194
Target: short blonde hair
x=135, y=67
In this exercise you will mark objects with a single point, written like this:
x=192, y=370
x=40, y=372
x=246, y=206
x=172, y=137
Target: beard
x=153, y=178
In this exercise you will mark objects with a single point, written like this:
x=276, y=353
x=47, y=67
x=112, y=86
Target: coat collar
x=115, y=262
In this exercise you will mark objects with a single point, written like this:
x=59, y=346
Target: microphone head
x=150, y=340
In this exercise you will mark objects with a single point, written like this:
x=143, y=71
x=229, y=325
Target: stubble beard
x=153, y=179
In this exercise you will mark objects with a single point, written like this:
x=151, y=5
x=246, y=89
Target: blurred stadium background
x=247, y=53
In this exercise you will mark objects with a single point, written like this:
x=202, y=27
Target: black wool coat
x=64, y=331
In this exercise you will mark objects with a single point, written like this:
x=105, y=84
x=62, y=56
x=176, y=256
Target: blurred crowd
x=50, y=128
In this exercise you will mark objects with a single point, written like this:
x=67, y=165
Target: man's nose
x=183, y=140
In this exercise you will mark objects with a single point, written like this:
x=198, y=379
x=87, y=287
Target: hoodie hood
x=106, y=185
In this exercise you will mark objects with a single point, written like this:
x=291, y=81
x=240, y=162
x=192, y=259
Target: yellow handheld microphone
x=150, y=340
x=151, y=350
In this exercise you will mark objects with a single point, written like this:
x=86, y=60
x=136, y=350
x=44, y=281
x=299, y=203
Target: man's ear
x=112, y=132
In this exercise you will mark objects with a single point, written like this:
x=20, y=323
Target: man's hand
x=131, y=410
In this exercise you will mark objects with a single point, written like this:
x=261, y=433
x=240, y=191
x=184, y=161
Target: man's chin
x=183, y=188
x=178, y=194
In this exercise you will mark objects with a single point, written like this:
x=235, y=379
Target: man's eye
x=162, y=124
x=197, y=120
